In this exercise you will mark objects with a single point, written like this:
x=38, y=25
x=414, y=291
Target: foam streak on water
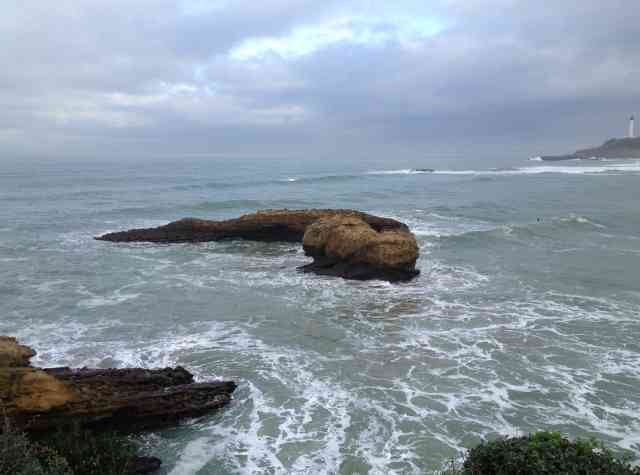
x=633, y=166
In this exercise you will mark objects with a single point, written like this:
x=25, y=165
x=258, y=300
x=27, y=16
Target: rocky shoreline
x=626, y=148
x=343, y=243
x=43, y=400
x=63, y=403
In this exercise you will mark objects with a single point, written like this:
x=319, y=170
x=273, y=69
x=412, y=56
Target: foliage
x=92, y=454
x=71, y=451
x=544, y=453
x=18, y=456
x=452, y=467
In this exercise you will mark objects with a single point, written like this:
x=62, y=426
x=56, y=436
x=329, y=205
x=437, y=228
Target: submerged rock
x=38, y=400
x=358, y=245
x=347, y=246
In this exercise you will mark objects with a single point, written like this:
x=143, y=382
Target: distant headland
x=628, y=147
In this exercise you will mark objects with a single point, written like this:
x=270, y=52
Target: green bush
x=66, y=452
x=92, y=454
x=544, y=453
x=18, y=456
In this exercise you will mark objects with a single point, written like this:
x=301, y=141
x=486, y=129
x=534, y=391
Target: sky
x=315, y=78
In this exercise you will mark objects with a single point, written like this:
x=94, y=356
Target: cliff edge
x=612, y=148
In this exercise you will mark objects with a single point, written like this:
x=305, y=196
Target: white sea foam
x=578, y=169
x=580, y=220
x=407, y=372
x=404, y=171
x=429, y=224
x=114, y=298
x=314, y=428
x=49, y=285
x=551, y=169
x=194, y=456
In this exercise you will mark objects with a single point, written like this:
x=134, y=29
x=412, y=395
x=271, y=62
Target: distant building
x=632, y=127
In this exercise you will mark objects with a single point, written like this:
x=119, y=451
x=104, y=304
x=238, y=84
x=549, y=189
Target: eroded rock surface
x=267, y=225
x=344, y=243
x=14, y=354
x=347, y=246
x=37, y=399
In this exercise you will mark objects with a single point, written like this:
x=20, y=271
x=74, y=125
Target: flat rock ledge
x=343, y=243
x=128, y=400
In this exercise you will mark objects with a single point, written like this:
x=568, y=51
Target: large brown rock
x=345, y=243
x=125, y=399
x=349, y=247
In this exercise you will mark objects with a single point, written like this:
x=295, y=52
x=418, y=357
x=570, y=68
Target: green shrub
x=69, y=451
x=88, y=453
x=544, y=453
x=18, y=456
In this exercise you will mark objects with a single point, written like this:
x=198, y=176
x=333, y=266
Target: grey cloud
x=90, y=77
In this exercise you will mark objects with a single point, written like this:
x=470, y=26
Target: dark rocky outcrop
x=360, y=245
x=268, y=225
x=613, y=148
x=39, y=400
x=143, y=465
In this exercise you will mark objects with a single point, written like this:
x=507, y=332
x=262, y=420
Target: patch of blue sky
x=362, y=30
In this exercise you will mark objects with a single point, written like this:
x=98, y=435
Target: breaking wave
x=319, y=179
x=404, y=171
x=536, y=170
x=543, y=227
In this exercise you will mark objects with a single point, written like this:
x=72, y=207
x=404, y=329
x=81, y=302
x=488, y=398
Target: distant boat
x=423, y=170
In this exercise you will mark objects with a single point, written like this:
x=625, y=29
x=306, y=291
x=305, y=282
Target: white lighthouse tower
x=632, y=127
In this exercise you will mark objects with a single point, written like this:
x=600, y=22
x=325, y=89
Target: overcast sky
x=315, y=77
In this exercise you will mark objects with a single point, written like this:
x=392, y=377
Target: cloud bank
x=308, y=78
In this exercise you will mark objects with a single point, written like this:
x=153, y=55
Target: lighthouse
x=632, y=127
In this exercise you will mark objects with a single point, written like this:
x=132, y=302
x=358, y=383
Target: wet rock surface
x=267, y=225
x=349, y=247
x=134, y=399
x=344, y=243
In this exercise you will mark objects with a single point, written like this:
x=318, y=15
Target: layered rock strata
x=348, y=247
x=38, y=400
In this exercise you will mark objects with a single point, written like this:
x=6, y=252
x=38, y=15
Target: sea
x=525, y=317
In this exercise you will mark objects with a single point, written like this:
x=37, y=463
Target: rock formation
x=268, y=225
x=349, y=247
x=38, y=400
x=344, y=243
x=612, y=148
x=13, y=354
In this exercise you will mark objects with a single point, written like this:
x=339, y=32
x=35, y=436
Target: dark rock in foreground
x=344, y=243
x=143, y=465
x=613, y=148
x=39, y=400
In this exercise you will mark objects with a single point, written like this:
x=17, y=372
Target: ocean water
x=525, y=316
